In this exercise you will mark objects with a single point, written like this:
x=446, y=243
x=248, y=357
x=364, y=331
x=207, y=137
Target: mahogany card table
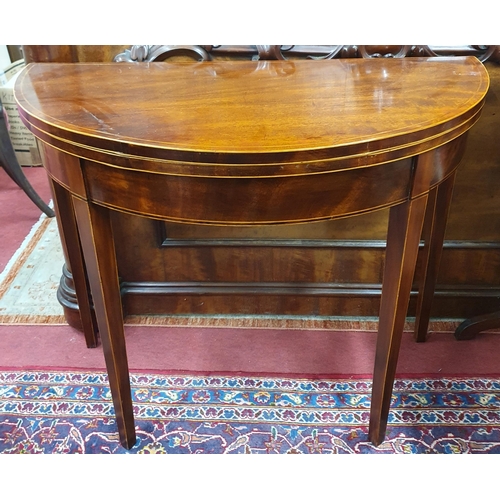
x=248, y=143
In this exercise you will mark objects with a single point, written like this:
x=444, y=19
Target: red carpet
x=220, y=350
x=257, y=352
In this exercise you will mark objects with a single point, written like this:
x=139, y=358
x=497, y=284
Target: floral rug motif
x=71, y=412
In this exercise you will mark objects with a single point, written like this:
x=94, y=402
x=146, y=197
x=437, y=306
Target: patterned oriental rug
x=69, y=412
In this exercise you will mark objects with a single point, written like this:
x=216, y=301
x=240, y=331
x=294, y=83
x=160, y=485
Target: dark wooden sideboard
x=329, y=268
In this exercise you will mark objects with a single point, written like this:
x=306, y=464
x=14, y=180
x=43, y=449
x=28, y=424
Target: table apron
x=254, y=200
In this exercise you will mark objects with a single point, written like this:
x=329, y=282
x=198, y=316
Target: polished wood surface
x=341, y=108
x=254, y=143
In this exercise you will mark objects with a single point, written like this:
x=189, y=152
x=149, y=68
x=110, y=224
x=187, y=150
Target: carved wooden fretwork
x=150, y=53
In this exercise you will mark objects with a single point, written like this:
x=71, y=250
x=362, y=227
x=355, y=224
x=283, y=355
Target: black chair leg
x=10, y=164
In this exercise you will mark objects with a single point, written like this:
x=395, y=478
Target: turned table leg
x=403, y=238
x=95, y=230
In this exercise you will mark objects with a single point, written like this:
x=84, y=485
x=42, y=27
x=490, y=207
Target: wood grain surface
x=238, y=111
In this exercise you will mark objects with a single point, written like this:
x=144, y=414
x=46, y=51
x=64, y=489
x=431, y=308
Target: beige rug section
x=29, y=282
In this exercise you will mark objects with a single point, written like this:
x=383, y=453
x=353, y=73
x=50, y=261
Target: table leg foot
x=94, y=226
x=469, y=328
x=403, y=238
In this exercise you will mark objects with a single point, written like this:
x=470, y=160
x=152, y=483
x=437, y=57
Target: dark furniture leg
x=403, y=238
x=438, y=206
x=70, y=240
x=10, y=164
x=470, y=327
x=95, y=231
